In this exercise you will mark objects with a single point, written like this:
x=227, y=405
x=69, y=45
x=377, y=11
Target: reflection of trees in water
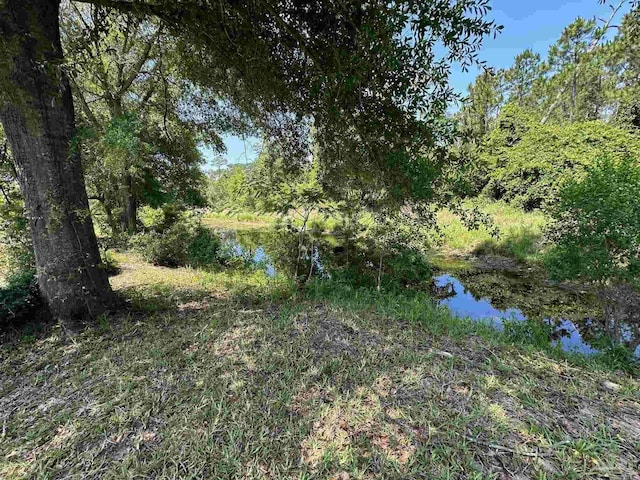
x=530, y=293
x=622, y=314
x=352, y=258
x=614, y=314
x=315, y=254
x=295, y=255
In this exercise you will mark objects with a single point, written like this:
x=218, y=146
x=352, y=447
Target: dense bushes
x=596, y=228
x=173, y=238
x=204, y=248
x=526, y=163
x=19, y=297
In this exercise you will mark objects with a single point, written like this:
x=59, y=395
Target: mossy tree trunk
x=36, y=110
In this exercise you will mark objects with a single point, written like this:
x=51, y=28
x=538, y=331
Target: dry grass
x=228, y=376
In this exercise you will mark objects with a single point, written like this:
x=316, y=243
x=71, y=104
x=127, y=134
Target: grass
x=235, y=375
x=238, y=221
x=520, y=234
x=254, y=221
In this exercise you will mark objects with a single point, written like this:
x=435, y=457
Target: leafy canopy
x=528, y=164
x=596, y=225
x=139, y=144
x=365, y=75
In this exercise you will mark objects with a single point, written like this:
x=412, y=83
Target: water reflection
x=258, y=257
x=462, y=303
x=495, y=297
x=570, y=339
x=577, y=335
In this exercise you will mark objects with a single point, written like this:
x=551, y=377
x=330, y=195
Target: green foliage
x=577, y=74
x=155, y=219
x=122, y=136
x=511, y=126
x=287, y=191
x=204, y=248
x=229, y=190
x=138, y=147
x=482, y=105
x=523, y=77
x=623, y=59
x=407, y=267
x=173, y=239
x=19, y=297
x=578, y=104
x=16, y=250
x=527, y=166
x=371, y=61
x=166, y=248
x=596, y=227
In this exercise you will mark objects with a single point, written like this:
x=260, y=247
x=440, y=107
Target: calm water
x=462, y=303
x=494, y=298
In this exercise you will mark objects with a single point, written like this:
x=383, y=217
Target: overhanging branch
x=139, y=7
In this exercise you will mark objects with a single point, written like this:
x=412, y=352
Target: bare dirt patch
x=330, y=336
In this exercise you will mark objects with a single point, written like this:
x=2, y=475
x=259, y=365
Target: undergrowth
x=235, y=374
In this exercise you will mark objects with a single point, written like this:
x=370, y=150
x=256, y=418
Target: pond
x=462, y=303
x=495, y=296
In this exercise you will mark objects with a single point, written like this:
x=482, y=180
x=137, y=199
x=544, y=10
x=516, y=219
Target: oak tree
x=365, y=74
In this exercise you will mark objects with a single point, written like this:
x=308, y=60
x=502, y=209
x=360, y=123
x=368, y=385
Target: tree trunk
x=36, y=110
x=130, y=210
x=574, y=90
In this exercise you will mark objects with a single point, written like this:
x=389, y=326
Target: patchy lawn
x=226, y=375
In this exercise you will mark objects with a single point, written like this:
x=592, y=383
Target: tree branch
x=85, y=106
x=138, y=7
x=135, y=71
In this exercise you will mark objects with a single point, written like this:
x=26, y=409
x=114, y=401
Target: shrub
x=19, y=297
x=168, y=248
x=204, y=249
x=529, y=168
x=175, y=240
x=408, y=267
x=596, y=225
x=164, y=217
x=152, y=219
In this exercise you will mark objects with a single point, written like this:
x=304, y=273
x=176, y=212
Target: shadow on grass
x=305, y=391
x=332, y=383
x=522, y=244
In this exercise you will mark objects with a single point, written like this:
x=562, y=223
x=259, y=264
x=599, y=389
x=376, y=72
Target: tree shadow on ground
x=213, y=387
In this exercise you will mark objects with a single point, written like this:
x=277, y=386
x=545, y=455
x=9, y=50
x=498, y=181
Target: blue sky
x=239, y=150
x=527, y=24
